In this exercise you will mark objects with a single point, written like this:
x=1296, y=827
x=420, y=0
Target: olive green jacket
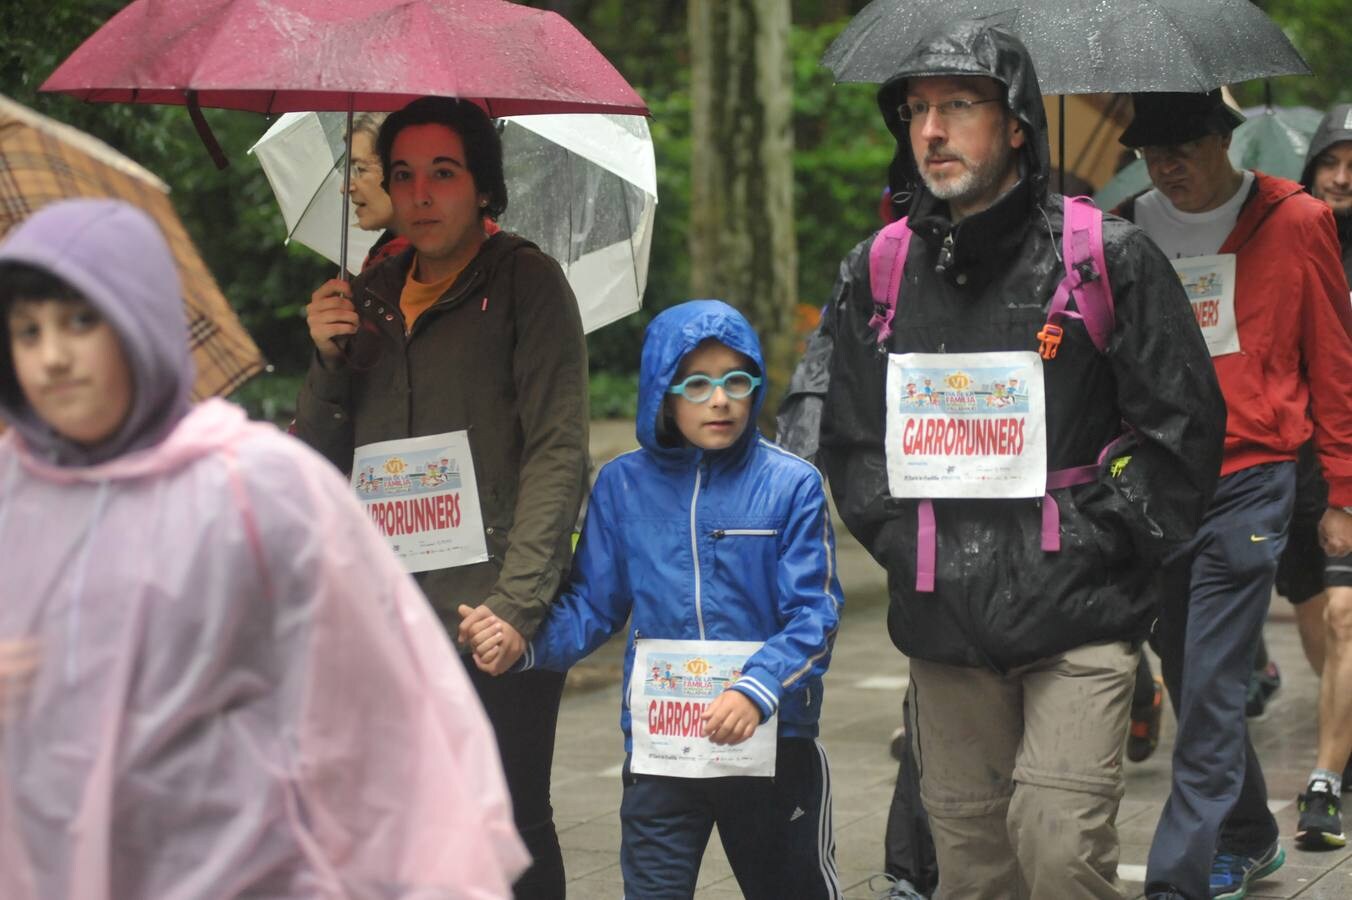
x=501, y=355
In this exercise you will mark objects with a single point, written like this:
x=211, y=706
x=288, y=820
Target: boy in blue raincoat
x=711, y=536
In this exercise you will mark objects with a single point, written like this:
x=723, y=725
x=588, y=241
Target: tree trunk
x=741, y=200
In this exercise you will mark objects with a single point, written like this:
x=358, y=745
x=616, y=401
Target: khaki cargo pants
x=1021, y=773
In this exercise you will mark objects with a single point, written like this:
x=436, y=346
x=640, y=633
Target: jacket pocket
x=742, y=556
x=1250, y=415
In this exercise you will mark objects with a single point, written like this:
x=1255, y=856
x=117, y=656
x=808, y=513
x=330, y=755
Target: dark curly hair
x=483, y=146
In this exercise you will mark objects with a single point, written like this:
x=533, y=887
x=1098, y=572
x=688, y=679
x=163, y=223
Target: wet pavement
x=864, y=689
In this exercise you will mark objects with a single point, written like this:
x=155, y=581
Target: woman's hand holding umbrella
x=331, y=317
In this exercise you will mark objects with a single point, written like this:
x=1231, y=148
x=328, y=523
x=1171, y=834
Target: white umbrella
x=581, y=186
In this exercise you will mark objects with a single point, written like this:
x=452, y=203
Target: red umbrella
x=274, y=56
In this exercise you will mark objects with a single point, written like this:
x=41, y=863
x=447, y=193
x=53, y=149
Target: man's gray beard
x=975, y=181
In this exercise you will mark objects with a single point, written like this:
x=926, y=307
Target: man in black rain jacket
x=1022, y=659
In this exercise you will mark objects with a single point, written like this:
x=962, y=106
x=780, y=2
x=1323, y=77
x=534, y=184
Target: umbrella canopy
x=276, y=56
x=42, y=161
x=1086, y=48
x=1273, y=139
x=582, y=187
x=586, y=192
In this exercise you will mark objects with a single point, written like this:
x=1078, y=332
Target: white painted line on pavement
x=1276, y=806
x=884, y=683
x=1131, y=873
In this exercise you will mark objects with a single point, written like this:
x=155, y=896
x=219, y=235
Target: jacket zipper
x=729, y=532
x=694, y=551
x=945, y=260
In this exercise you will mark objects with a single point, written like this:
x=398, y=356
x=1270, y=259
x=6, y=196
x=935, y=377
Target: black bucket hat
x=1163, y=119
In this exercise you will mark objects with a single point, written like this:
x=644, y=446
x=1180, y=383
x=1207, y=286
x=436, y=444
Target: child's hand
x=496, y=645
x=731, y=718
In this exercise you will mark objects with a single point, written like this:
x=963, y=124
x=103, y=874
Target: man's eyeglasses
x=699, y=388
x=954, y=110
x=1184, y=152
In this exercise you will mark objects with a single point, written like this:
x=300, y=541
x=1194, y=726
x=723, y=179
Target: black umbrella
x=1086, y=46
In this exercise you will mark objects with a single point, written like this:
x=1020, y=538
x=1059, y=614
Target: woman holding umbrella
x=370, y=203
x=475, y=338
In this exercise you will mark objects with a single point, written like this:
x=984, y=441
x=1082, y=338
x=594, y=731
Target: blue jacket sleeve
x=809, y=601
x=596, y=602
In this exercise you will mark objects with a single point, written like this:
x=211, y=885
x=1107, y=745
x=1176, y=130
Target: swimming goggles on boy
x=737, y=385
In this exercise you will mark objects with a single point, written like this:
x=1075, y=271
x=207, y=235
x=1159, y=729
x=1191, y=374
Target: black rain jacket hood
x=980, y=50
x=1334, y=128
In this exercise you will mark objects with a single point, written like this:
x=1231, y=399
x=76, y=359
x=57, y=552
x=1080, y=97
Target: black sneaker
x=1321, y=822
x=1263, y=683
x=1347, y=776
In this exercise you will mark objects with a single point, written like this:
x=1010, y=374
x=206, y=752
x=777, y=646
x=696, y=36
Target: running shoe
x=1231, y=873
x=1263, y=683
x=887, y=887
x=1321, y=821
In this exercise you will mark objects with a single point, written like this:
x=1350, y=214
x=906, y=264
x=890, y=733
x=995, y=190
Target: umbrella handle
x=347, y=180
x=199, y=122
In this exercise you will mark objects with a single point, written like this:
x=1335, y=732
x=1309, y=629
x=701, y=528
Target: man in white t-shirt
x=1259, y=259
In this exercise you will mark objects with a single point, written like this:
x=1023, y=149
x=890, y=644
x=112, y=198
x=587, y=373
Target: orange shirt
x=417, y=297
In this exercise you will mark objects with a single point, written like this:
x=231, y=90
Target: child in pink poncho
x=227, y=686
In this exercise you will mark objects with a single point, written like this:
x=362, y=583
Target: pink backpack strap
x=1086, y=278
x=886, y=262
x=926, y=540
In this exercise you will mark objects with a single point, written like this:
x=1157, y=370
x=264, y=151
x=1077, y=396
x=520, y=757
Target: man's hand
x=731, y=718
x=1335, y=532
x=496, y=645
x=331, y=315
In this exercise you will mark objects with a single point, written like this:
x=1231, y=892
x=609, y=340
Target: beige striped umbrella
x=42, y=160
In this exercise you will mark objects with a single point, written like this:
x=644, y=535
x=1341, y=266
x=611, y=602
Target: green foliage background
x=841, y=156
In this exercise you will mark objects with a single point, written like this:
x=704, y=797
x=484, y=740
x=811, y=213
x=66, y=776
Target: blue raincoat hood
x=115, y=256
x=670, y=336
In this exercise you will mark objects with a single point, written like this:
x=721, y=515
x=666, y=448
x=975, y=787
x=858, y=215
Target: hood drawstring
x=945, y=255
x=77, y=587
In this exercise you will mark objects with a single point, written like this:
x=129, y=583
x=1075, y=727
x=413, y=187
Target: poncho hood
x=115, y=256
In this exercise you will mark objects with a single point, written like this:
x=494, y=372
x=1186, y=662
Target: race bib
x=671, y=684
x=422, y=496
x=1210, y=284
x=966, y=425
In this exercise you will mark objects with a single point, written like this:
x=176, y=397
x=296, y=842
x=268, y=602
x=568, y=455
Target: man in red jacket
x=1260, y=261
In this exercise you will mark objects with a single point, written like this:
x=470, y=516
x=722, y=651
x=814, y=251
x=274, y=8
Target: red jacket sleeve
x=1326, y=349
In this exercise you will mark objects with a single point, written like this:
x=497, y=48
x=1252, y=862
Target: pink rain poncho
x=239, y=691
